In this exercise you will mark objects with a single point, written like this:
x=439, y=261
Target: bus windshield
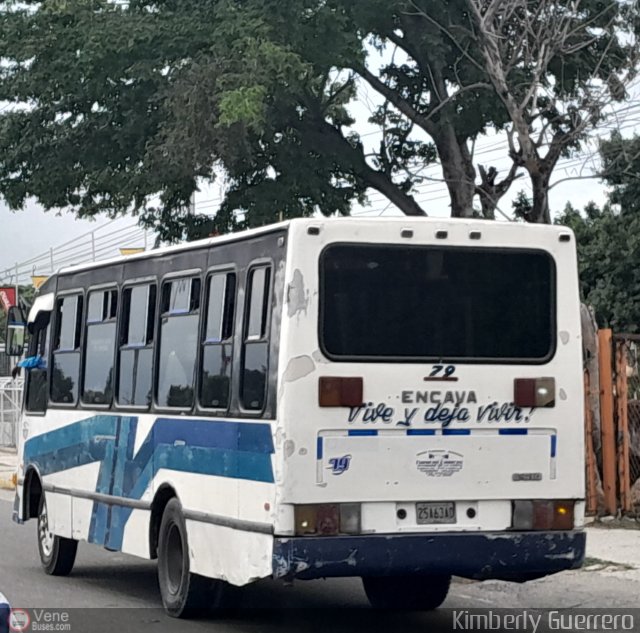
x=393, y=302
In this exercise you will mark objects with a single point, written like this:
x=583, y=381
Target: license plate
x=431, y=512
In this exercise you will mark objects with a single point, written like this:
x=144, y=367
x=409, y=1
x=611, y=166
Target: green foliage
x=608, y=240
x=124, y=107
x=119, y=103
x=609, y=263
x=522, y=206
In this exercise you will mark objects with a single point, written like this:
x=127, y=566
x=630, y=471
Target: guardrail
x=10, y=405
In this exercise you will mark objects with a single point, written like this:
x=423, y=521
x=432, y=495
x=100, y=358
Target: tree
x=556, y=67
x=608, y=240
x=127, y=101
x=609, y=263
x=117, y=103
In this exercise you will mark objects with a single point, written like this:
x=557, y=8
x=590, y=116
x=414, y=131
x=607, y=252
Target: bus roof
x=248, y=234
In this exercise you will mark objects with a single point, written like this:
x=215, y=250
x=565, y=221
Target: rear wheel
x=420, y=593
x=184, y=594
x=57, y=554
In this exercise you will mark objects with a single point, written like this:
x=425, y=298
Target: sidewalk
x=8, y=468
x=616, y=545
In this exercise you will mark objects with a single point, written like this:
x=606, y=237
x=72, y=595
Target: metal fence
x=612, y=424
x=10, y=403
x=627, y=367
x=5, y=363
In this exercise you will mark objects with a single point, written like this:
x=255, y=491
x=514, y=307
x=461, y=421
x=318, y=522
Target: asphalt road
x=102, y=580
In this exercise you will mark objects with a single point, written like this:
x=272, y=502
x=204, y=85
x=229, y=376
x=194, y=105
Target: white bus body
x=421, y=412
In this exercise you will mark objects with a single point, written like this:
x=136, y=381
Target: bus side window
x=255, y=353
x=217, y=351
x=97, y=388
x=178, y=341
x=135, y=369
x=66, y=351
x=37, y=378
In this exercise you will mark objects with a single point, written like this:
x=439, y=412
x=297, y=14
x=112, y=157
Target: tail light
x=534, y=392
x=340, y=392
x=329, y=519
x=543, y=515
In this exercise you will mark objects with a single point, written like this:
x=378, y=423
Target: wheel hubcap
x=45, y=536
x=175, y=556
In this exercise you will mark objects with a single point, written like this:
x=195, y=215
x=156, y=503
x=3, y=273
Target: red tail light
x=543, y=515
x=534, y=392
x=340, y=392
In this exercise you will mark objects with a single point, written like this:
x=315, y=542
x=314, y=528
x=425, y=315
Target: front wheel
x=57, y=554
x=419, y=593
x=183, y=594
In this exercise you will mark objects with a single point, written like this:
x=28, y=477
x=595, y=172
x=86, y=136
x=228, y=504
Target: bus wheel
x=420, y=593
x=57, y=554
x=184, y=594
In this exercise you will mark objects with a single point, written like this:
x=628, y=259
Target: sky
x=32, y=232
x=24, y=234
x=27, y=236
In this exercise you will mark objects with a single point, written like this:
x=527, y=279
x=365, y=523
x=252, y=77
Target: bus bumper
x=516, y=556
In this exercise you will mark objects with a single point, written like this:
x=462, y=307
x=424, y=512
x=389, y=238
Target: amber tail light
x=328, y=519
x=340, y=392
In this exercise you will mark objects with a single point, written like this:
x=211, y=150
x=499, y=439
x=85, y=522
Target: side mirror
x=16, y=331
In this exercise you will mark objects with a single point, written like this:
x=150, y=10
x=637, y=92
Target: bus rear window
x=384, y=302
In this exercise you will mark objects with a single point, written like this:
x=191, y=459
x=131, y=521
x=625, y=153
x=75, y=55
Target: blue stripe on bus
x=421, y=432
x=456, y=432
x=359, y=433
x=319, y=450
x=513, y=431
x=237, y=450
x=554, y=442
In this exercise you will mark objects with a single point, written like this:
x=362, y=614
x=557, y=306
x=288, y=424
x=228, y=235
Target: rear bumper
x=517, y=556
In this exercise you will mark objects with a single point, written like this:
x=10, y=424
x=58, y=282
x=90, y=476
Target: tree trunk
x=487, y=192
x=459, y=172
x=381, y=183
x=540, y=213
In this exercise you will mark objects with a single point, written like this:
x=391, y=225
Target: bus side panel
x=229, y=523
x=228, y=512
x=60, y=450
x=236, y=556
x=101, y=474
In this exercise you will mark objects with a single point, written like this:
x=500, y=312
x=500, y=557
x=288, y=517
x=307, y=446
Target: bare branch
x=394, y=98
x=419, y=12
x=528, y=36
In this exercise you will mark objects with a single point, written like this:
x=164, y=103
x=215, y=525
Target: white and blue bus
x=394, y=399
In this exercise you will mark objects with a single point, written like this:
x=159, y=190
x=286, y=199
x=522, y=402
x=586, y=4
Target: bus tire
x=184, y=595
x=57, y=554
x=419, y=593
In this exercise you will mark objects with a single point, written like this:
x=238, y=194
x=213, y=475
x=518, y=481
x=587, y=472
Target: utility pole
x=17, y=287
